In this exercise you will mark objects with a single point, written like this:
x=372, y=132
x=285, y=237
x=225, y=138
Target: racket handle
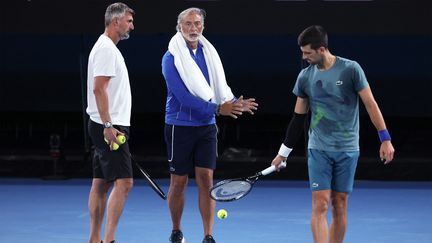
x=272, y=168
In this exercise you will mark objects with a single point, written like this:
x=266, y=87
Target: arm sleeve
x=294, y=130
x=293, y=133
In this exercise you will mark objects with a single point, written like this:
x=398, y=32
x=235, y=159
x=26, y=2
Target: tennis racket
x=234, y=189
x=149, y=180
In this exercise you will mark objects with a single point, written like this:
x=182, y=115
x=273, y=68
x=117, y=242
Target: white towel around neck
x=218, y=91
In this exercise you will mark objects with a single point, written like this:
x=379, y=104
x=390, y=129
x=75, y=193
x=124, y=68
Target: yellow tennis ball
x=222, y=214
x=115, y=145
x=121, y=139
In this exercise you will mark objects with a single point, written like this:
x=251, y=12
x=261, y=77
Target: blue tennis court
x=52, y=65
x=34, y=210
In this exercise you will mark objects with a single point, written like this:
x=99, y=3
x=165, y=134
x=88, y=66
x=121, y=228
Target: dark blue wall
x=41, y=42
x=41, y=72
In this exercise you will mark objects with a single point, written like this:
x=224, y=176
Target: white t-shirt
x=106, y=60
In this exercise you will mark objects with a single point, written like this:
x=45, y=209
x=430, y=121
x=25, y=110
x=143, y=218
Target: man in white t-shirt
x=109, y=107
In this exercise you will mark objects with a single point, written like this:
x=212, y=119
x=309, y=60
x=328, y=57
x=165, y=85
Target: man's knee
x=339, y=203
x=178, y=184
x=320, y=202
x=124, y=185
x=320, y=206
x=204, y=177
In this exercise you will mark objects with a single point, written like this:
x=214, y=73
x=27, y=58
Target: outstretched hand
x=231, y=108
x=248, y=105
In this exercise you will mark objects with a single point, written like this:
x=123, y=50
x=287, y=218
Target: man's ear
x=115, y=21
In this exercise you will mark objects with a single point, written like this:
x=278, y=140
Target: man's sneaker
x=177, y=237
x=208, y=239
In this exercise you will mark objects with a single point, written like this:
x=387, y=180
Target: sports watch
x=107, y=124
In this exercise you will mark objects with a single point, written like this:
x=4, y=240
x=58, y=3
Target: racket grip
x=272, y=168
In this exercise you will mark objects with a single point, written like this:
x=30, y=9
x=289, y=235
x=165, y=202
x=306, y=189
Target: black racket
x=150, y=181
x=234, y=189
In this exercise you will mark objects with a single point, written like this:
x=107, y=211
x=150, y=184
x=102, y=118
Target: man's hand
x=231, y=108
x=386, y=152
x=277, y=161
x=110, y=134
x=248, y=105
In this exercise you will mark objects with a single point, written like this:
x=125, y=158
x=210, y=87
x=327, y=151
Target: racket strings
x=231, y=190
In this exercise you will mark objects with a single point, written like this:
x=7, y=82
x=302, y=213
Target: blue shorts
x=332, y=170
x=189, y=147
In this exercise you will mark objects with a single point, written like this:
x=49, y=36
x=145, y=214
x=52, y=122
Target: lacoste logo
x=315, y=184
x=339, y=82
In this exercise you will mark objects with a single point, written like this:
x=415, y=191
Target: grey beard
x=124, y=36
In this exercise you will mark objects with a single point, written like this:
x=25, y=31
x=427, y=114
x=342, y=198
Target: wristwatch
x=107, y=124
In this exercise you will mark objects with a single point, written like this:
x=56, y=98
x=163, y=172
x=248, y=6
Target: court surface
x=34, y=210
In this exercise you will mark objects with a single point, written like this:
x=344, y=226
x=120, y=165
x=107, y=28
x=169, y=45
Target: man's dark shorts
x=189, y=147
x=109, y=165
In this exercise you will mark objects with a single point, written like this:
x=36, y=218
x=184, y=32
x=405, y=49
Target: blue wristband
x=384, y=135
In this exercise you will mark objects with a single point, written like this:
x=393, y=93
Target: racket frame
x=250, y=179
x=150, y=181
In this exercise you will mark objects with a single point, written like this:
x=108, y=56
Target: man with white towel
x=197, y=91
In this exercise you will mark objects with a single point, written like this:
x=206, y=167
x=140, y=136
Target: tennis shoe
x=177, y=237
x=208, y=239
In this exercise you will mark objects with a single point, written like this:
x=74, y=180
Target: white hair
x=188, y=11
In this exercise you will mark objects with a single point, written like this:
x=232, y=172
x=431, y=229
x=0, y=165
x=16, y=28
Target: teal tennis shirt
x=334, y=103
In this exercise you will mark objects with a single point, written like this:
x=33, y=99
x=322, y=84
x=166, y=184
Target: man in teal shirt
x=330, y=87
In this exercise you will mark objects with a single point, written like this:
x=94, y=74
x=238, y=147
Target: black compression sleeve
x=294, y=130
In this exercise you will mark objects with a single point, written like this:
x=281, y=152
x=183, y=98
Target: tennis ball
x=115, y=145
x=121, y=139
x=222, y=214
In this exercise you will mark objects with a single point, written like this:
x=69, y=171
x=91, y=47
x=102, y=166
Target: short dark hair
x=314, y=35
